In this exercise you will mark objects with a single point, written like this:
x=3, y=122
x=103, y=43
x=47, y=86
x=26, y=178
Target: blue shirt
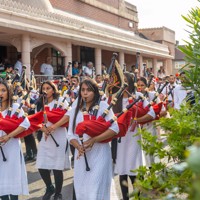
x=75, y=71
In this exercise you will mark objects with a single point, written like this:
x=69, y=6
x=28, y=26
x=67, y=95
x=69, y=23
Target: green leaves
x=173, y=176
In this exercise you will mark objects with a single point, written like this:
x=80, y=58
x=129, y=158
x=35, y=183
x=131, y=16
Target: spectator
x=75, y=69
x=103, y=69
x=47, y=69
x=88, y=70
x=161, y=72
x=18, y=64
x=99, y=81
x=180, y=92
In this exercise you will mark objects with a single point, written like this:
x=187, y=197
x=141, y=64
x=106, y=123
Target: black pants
x=30, y=144
x=39, y=135
x=114, y=149
x=58, y=177
x=124, y=188
x=72, y=151
x=9, y=197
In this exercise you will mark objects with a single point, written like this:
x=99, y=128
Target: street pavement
x=37, y=187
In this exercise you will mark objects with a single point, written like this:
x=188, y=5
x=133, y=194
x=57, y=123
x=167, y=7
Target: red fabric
x=55, y=115
x=123, y=123
x=36, y=121
x=9, y=124
x=56, y=81
x=96, y=127
x=157, y=109
x=138, y=110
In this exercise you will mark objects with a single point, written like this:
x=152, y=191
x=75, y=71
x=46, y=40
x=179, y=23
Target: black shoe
x=28, y=158
x=58, y=196
x=34, y=157
x=49, y=192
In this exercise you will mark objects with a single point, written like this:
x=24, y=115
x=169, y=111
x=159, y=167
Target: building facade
x=165, y=36
x=178, y=62
x=81, y=30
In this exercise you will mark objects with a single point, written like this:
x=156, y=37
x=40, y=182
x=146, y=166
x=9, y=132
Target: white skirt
x=129, y=154
x=96, y=183
x=13, y=176
x=51, y=157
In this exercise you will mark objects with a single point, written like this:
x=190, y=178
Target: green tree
x=176, y=175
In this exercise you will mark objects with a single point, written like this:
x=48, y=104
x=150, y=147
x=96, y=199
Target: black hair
x=93, y=86
x=76, y=77
x=118, y=107
x=74, y=62
x=130, y=80
x=9, y=91
x=144, y=80
x=53, y=86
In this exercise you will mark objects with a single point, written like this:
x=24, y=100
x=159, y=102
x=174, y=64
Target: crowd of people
x=81, y=97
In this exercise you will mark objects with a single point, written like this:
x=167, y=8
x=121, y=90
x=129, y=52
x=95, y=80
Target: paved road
x=37, y=187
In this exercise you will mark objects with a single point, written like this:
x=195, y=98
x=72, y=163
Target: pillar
x=122, y=60
x=168, y=66
x=26, y=58
x=68, y=57
x=140, y=65
x=98, y=60
x=155, y=61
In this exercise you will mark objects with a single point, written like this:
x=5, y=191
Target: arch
x=37, y=50
x=40, y=53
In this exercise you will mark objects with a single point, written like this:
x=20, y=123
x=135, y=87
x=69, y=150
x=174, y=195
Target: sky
x=158, y=13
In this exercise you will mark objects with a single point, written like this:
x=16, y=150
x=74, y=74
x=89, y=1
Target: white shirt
x=179, y=95
x=167, y=89
x=18, y=65
x=88, y=71
x=47, y=69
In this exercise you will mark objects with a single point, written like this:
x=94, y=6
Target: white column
x=26, y=58
x=168, y=66
x=121, y=60
x=68, y=57
x=140, y=65
x=98, y=61
x=155, y=66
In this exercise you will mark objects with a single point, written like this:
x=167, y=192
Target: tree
x=176, y=175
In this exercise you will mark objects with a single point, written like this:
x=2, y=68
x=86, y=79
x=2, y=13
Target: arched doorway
x=40, y=54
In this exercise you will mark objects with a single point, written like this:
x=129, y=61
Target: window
x=179, y=64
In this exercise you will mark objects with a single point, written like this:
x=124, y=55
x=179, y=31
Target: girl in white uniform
x=13, y=177
x=94, y=184
x=50, y=157
x=129, y=153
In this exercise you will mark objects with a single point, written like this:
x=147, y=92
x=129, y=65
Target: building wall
x=79, y=7
x=130, y=60
x=153, y=34
x=159, y=34
x=113, y=3
x=106, y=57
x=41, y=57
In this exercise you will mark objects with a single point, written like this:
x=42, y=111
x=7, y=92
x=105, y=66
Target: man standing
x=18, y=64
x=169, y=90
x=180, y=93
x=88, y=70
x=47, y=69
x=75, y=69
